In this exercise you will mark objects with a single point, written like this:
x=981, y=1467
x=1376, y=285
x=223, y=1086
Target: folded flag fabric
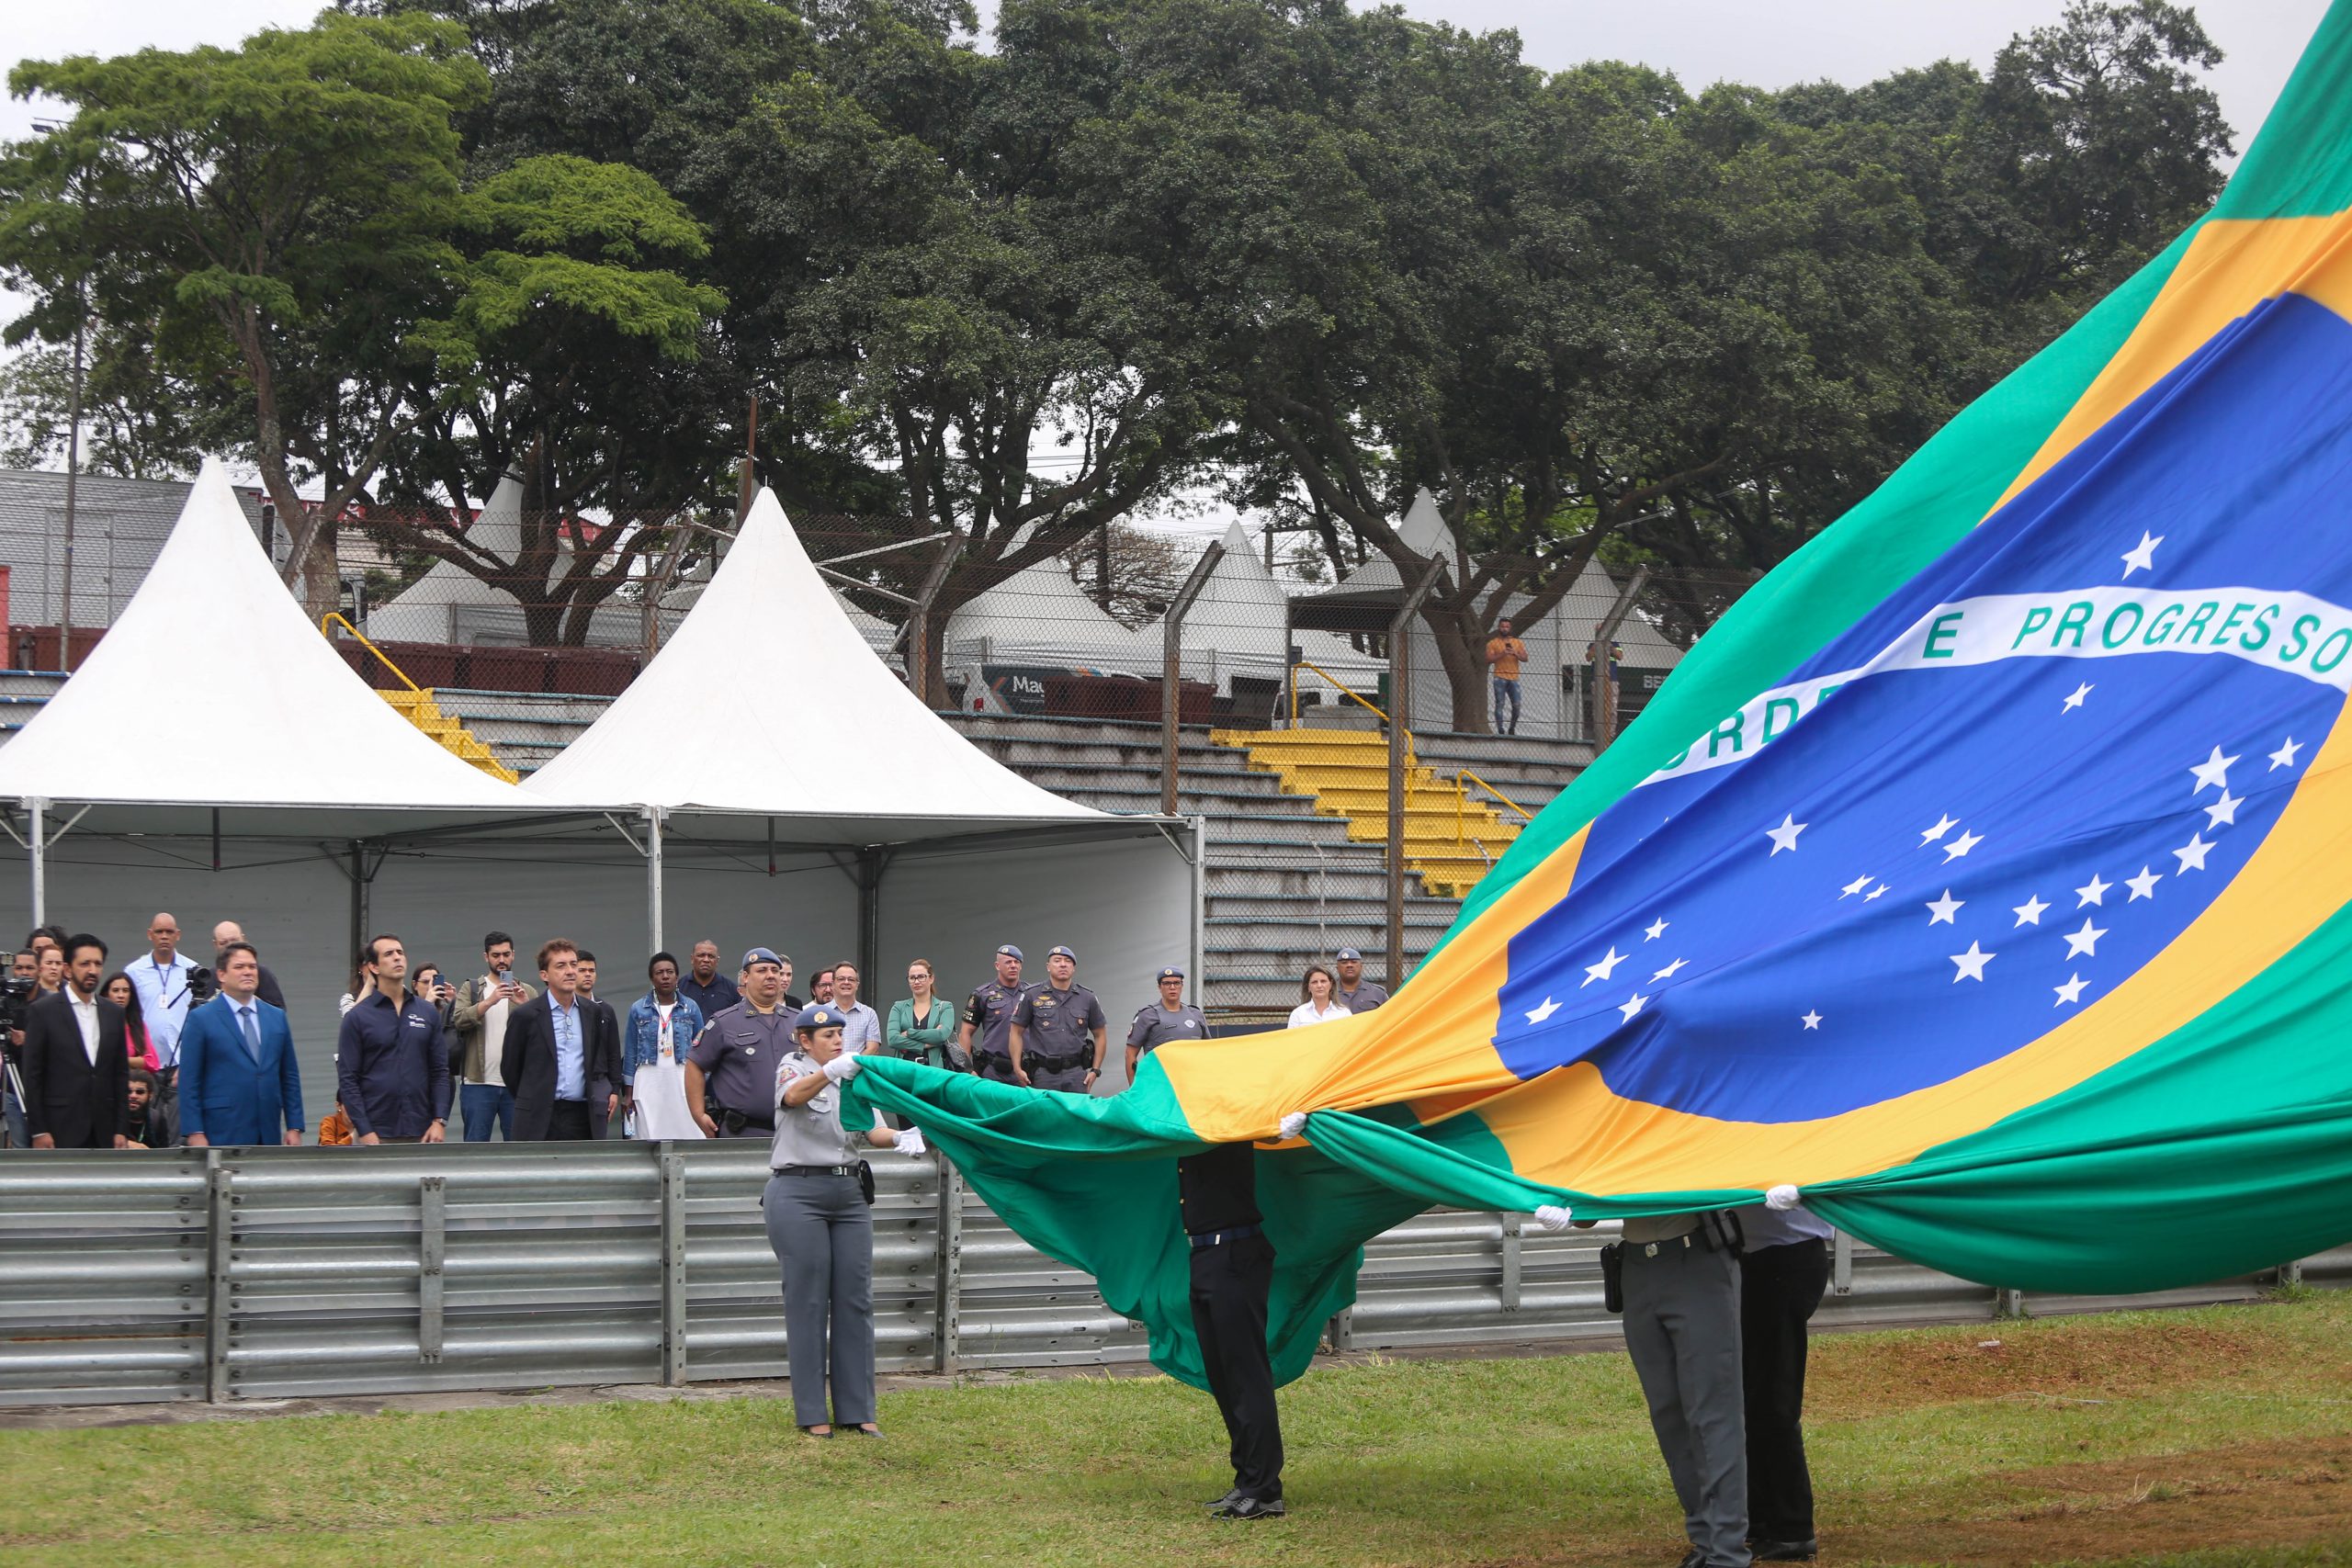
x=1982, y=874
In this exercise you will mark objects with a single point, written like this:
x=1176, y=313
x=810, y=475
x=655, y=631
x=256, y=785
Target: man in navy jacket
x=392, y=1065
x=239, y=1083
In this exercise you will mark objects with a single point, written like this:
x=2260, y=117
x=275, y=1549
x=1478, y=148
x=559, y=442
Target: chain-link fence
x=525, y=623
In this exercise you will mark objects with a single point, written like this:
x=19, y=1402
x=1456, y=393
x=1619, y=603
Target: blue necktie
x=253, y=1033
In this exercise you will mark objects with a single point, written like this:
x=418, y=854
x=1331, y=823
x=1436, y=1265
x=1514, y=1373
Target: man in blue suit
x=238, y=1080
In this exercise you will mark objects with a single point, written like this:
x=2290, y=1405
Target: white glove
x=911, y=1141
x=843, y=1068
x=1552, y=1217
x=1782, y=1198
x=1293, y=1125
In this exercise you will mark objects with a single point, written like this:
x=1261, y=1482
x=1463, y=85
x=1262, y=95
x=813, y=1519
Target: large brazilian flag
x=1983, y=874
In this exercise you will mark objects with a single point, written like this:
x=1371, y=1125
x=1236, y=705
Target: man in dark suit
x=229, y=934
x=77, y=1075
x=239, y=1083
x=562, y=1055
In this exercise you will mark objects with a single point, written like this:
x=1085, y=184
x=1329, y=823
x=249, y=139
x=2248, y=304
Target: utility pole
x=1172, y=679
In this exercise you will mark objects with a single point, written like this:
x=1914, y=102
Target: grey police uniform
x=990, y=1012
x=738, y=1052
x=822, y=1234
x=1154, y=1026
x=1058, y=1036
x=1363, y=998
x=1681, y=1287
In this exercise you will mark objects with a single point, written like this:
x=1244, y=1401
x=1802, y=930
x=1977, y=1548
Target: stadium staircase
x=419, y=709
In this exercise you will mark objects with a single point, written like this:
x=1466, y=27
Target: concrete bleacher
x=1285, y=885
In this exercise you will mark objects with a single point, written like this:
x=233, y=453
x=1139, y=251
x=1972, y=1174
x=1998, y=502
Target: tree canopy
x=1317, y=256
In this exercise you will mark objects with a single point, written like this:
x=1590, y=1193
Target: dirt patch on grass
x=1860, y=1377
x=2272, y=1494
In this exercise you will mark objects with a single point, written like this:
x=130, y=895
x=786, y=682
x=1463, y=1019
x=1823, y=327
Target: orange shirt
x=1504, y=653
x=336, y=1128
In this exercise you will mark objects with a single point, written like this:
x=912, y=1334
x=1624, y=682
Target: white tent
x=1039, y=616
x=1235, y=626
x=767, y=719
x=430, y=609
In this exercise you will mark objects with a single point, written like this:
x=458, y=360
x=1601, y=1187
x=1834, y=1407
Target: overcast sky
x=1701, y=41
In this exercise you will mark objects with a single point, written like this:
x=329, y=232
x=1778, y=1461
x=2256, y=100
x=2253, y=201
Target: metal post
x=672, y=1166
x=1198, y=953
x=2008, y=1303
x=1171, y=678
x=918, y=625
x=1604, y=687
x=219, y=1278
x=73, y=455
x=653, y=872
x=947, y=1338
x=358, y=897
x=34, y=808
x=1841, y=1264
x=871, y=861
x=1400, y=719
x=1514, y=1229
x=432, y=1254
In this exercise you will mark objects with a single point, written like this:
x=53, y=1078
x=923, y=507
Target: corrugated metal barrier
x=231, y=1274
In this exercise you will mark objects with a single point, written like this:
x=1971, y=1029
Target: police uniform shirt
x=738, y=1053
x=1363, y=998
x=809, y=1133
x=1217, y=1189
x=1059, y=1023
x=990, y=1012
x=1155, y=1025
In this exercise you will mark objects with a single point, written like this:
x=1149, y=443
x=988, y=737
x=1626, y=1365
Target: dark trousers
x=1778, y=1288
x=567, y=1122
x=1230, y=1284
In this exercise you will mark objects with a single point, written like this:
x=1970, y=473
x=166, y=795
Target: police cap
x=1009, y=950
x=813, y=1018
x=761, y=955
x=1171, y=973
x=1348, y=955
x=1061, y=953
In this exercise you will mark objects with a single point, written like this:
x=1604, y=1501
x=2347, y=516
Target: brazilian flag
x=1982, y=874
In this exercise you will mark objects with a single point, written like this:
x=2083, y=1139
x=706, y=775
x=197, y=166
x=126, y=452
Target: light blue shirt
x=861, y=1026
x=570, y=1058
x=1761, y=1227
x=162, y=1002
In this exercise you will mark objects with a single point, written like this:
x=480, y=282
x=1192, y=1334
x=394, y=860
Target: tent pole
x=870, y=862
x=216, y=837
x=358, y=896
x=653, y=872
x=771, y=846
x=35, y=807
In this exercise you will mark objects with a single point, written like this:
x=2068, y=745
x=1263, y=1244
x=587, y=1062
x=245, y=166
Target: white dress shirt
x=85, y=1013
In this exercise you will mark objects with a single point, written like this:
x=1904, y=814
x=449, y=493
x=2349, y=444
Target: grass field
x=2214, y=1437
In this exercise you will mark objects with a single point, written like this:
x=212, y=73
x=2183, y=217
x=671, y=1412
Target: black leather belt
x=1217, y=1238
x=816, y=1170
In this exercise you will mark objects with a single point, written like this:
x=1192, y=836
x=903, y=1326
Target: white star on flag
x=1670, y=970
x=2075, y=698
x=2092, y=892
x=2084, y=942
x=2029, y=913
x=1874, y=893
x=2285, y=756
x=1784, y=837
x=1944, y=825
x=1855, y=886
x=1654, y=930
x=2214, y=773
x=2143, y=885
x=1633, y=1006
x=1810, y=1020
x=1602, y=970
x=2072, y=991
x=1961, y=846
x=1940, y=912
x=1972, y=963
x=1546, y=1010
x=2142, y=557
x=2191, y=855
x=2225, y=810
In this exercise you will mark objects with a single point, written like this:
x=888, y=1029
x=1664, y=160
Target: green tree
x=294, y=197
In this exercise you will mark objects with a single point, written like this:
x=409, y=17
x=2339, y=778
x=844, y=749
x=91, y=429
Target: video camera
x=203, y=985
x=15, y=1000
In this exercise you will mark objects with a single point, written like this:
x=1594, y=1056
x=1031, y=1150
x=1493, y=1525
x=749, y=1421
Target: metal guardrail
x=230, y=1274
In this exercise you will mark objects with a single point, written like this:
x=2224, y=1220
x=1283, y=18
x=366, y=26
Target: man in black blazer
x=77, y=1070
x=563, y=1056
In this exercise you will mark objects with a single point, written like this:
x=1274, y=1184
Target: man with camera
x=479, y=1021
x=77, y=1076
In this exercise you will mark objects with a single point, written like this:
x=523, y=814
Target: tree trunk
x=1461, y=651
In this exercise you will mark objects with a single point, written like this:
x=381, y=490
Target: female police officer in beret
x=822, y=1229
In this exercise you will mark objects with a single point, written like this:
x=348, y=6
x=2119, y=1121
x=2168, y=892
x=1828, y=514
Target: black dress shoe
x=1694, y=1558
x=1249, y=1508
x=1803, y=1551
